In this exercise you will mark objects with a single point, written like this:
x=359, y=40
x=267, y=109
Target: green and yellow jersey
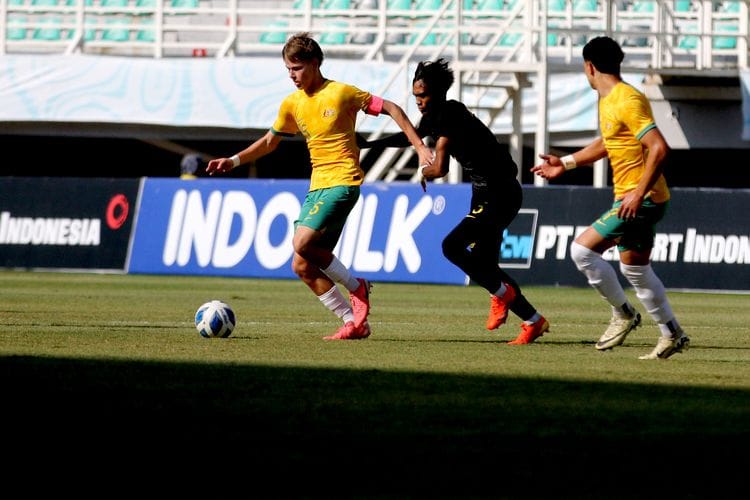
x=624, y=117
x=327, y=120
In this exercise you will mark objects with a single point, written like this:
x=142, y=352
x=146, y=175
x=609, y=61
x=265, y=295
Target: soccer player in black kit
x=474, y=244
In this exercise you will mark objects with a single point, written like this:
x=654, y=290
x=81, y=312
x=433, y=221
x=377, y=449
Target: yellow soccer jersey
x=624, y=117
x=327, y=119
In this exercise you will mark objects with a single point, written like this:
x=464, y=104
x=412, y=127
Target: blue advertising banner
x=237, y=227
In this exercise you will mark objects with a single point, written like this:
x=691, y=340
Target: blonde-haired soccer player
x=636, y=151
x=324, y=112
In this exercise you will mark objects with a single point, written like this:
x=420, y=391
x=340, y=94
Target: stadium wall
x=243, y=228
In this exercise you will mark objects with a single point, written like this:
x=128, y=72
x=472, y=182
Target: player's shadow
x=305, y=432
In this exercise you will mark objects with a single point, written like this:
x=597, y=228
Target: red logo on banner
x=117, y=211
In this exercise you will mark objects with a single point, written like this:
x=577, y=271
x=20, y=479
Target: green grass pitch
x=110, y=367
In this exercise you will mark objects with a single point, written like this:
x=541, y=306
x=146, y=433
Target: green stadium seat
x=14, y=29
x=48, y=29
x=116, y=34
x=430, y=39
x=335, y=37
x=185, y=4
x=274, y=37
x=44, y=3
x=730, y=6
x=644, y=6
x=300, y=4
x=427, y=5
x=489, y=6
x=337, y=4
x=682, y=5
x=149, y=34
x=398, y=5
x=585, y=6
x=725, y=42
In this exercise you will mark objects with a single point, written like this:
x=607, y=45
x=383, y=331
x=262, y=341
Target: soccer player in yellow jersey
x=636, y=150
x=324, y=112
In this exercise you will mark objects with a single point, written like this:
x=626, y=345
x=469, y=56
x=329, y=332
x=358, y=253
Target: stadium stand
x=495, y=45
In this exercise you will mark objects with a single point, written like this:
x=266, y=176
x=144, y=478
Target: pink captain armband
x=375, y=107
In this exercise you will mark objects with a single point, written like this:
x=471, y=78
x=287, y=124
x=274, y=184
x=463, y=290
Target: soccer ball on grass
x=215, y=319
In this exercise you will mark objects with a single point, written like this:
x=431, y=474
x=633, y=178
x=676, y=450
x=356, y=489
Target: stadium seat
x=148, y=34
x=682, y=5
x=334, y=37
x=337, y=4
x=398, y=5
x=14, y=29
x=184, y=4
x=725, y=42
x=48, y=29
x=732, y=6
x=427, y=7
x=116, y=34
x=688, y=42
x=430, y=39
x=43, y=3
x=300, y=4
x=275, y=37
x=644, y=6
x=585, y=6
x=489, y=6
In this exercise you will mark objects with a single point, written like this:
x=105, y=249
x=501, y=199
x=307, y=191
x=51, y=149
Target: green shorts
x=636, y=234
x=326, y=210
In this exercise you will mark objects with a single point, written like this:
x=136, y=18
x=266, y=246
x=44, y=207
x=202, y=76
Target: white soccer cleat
x=665, y=347
x=617, y=330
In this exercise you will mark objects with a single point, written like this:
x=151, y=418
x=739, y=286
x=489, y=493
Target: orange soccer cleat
x=529, y=333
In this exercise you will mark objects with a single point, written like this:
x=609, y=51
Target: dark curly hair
x=437, y=75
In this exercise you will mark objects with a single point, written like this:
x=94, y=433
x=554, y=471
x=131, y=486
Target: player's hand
x=219, y=166
x=630, y=205
x=426, y=156
x=550, y=168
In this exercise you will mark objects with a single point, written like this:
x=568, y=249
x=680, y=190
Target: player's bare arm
x=440, y=164
x=553, y=166
x=657, y=147
x=258, y=149
x=394, y=111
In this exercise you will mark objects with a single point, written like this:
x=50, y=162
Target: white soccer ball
x=215, y=319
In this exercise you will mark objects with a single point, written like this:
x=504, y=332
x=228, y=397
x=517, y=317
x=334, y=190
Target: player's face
x=422, y=95
x=302, y=73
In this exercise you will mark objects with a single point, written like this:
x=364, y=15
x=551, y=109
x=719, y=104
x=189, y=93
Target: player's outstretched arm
x=256, y=150
x=394, y=111
x=550, y=168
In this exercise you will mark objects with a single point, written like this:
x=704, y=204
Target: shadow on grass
x=318, y=432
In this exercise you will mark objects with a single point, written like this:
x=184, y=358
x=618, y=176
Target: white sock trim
x=338, y=272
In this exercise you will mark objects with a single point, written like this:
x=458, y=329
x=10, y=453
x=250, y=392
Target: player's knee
x=582, y=257
x=300, y=266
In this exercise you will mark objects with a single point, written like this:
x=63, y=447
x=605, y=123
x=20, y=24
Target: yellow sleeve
x=285, y=123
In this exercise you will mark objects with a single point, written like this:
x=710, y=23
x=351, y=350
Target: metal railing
x=656, y=34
